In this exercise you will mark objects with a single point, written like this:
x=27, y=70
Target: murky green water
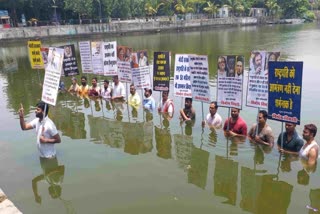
x=123, y=164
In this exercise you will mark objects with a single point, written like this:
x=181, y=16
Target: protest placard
x=52, y=76
x=35, y=57
x=230, y=81
x=285, y=88
x=161, y=71
x=70, y=67
x=141, y=77
x=199, y=71
x=181, y=82
x=257, y=90
x=110, y=66
x=97, y=58
x=85, y=56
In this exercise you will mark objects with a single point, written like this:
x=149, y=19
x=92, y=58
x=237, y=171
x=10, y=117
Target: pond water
x=111, y=163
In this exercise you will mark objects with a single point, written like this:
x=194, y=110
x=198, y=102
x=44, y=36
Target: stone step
x=6, y=206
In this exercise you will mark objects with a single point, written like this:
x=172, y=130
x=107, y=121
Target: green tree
x=137, y=8
x=235, y=6
x=151, y=7
x=121, y=9
x=183, y=7
x=293, y=8
x=273, y=7
x=211, y=8
x=83, y=8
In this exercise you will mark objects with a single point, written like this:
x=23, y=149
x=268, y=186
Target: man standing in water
x=310, y=150
x=292, y=142
x=47, y=134
x=264, y=134
x=84, y=88
x=213, y=119
x=235, y=125
x=187, y=113
x=166, y=105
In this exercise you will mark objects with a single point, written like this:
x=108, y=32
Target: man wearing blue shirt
x=148, y=101
x=292, y=142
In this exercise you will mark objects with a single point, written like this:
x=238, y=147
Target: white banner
x=110, y=66
x=52, y=76
x=85, y=56
x=182, y=85
x=199, y=78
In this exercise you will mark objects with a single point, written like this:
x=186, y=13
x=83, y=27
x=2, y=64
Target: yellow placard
x=35, y=56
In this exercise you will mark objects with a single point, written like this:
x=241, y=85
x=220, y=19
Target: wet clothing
x=149, y=103
x=46, y=150
x=265, y=134
x=294, y=145
x=303, y=153
x=215, y=121
x=239, y=127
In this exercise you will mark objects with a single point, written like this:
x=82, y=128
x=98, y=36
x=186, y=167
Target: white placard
x=110, y=66
x=182, y=85
x=52, y=76
x=85, y=56
x=230, y=81
x=97, y=62
x=141, y=77
x=124, y=71
x=199, y=71
x=257, y=91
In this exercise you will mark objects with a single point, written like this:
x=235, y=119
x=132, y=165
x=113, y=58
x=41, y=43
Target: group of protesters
x=235, y=127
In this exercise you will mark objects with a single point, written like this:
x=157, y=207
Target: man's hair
x=188, y=99
x=215, y=104
x=255, y=56
x=264, y=114
x=106, y=81
x=236, y=109
x=239, y=59
x=166, y=92
x=312, y=128
x=131, y=84
x=84, y=77
x=42, y=105
x=149, y=90
x=95, y=78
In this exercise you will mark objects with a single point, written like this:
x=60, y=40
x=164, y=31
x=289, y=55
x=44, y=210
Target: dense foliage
x=124, y=9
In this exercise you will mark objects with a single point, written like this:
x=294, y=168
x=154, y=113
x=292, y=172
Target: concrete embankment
x=120, y=28
x=6, y=206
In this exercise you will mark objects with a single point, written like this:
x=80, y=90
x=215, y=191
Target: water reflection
x=53, y=174
x=183, y=149
x=132, y=137
x=163, y=139
x=286, y=161
x=225, y=181
x=314, y=197
x=198, y=170
x=263, y=193
x=71, y=123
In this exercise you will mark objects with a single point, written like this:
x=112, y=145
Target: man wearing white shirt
x=118, y=90
x=47, y=134
x=213, y=119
